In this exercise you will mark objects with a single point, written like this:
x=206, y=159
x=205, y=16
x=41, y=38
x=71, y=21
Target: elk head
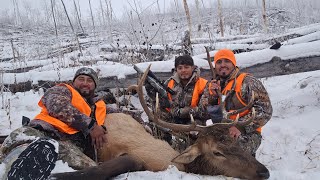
x=214, y=152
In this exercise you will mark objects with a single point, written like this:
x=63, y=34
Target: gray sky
x=119, y=6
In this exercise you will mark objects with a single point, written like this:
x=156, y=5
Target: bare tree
x=92, y=16
x=109, y=19
x=177, y=5
x=65, y=10
x=78, y=16
x=198, y=15
x=187, y=39
x=264, y=16
x=220, y=18
x=16, y=11
x=102, y=14
x=186, y=8
x=2, y=87
x=54, y=18
x=14, y=60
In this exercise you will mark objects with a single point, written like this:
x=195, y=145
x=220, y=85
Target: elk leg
x=105, y=170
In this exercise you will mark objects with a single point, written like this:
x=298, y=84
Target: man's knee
x=250, y=142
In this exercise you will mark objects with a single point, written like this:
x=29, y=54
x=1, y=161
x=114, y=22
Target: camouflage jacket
x=182, y=99
x=57, y=100
x=261, y=104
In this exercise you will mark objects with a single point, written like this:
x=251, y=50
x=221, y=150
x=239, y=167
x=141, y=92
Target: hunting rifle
x=159, y=86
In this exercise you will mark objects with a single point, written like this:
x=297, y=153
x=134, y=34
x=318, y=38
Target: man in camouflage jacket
x=240, y=86
x=73, y=115
x=185, y=80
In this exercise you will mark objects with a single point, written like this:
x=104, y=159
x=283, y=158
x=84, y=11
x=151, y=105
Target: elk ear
x=188, y=155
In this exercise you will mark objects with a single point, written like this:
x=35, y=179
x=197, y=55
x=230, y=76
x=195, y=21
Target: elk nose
x=264, y=173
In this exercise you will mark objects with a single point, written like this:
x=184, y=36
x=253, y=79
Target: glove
x=215, y=113
x=184, y=112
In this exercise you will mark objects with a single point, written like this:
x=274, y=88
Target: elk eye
x=218, y=154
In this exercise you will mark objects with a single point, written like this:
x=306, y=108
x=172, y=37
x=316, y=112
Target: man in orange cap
x=239, y=88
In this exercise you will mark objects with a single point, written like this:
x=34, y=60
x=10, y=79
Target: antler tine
x=154, y=117
x=248, y=121
x=177, y=127
x=226, y=114
x=248, y=106
x=139, y=90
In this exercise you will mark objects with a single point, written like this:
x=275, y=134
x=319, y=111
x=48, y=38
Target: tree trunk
x=109, y=20
x=92, y=16
x=14, y=61
x=16, y=11
x=65, y=10
x=102, y=14
x=78, y=17
x=264, y=16
x=186, y=8
x=198, y=16
x=177, y=6
x=187, y=38
x=220, y=18
x=54, y=18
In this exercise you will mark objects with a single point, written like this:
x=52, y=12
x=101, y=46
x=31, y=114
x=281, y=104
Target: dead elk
x=214, y=152
x=130, y=148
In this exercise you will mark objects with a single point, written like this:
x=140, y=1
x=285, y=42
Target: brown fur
x=213, y=153
x=105, y=170
x=127, y=136
x=216, y=153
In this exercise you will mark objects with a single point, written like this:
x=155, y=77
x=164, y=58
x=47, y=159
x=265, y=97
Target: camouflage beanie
x=183, y=60
x=88, y=72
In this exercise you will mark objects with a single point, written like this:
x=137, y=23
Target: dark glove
x=184, y=112
x=215, y=113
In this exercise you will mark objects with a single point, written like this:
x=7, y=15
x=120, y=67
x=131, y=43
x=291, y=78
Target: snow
x=291, y=139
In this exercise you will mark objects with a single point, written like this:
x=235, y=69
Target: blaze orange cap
x=225, y=54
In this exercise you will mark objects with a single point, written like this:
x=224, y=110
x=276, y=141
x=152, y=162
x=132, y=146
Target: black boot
x=36, y=162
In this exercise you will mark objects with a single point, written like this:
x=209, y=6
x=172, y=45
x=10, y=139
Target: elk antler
x=182, y=127
x=139, y=90
x=155, y=118
x=226, y=114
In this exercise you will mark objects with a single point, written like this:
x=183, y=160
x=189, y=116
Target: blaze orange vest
x=79, y=103
x=197, y=91
x=237, y=90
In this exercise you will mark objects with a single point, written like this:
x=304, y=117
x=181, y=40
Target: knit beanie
x=183, y=60
x=88, y=72
x=225, y=54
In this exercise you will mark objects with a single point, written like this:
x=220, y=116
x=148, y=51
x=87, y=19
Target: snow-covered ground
x=291, y=139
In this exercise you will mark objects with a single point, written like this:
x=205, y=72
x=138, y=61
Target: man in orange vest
x=240, y=86
x=71, y=116
x=188, y=87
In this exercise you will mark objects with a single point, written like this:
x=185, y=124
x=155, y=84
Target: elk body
x=128, y=137
x=130, y=148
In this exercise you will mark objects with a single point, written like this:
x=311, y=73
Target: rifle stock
x=152, y=78
x=158, y=86
x=213, y=72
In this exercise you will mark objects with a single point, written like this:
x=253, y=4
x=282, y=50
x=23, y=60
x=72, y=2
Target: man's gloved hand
x=184, y=112
x=215, y=113
x=97, y=135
